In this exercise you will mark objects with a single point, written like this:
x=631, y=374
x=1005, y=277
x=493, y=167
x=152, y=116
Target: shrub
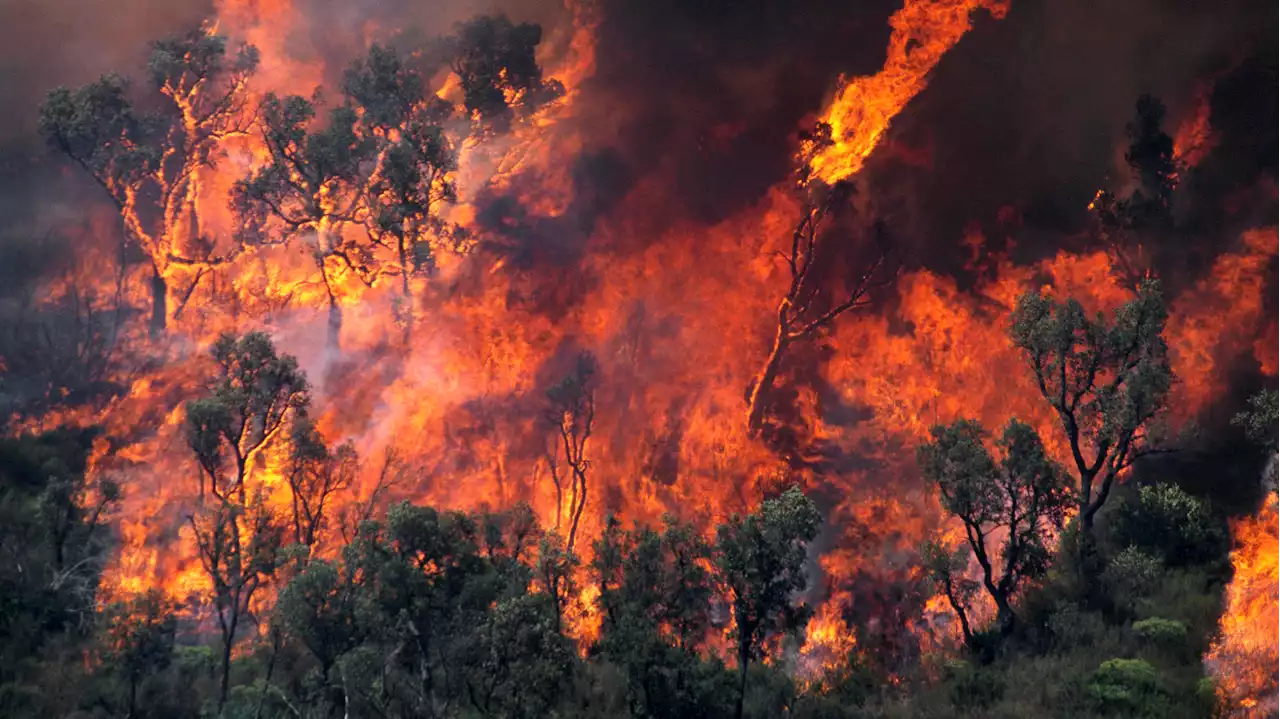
x=1167, y=522
x=1125, y=684
x=974, y=687
x=1131, y=575
x=1072, y=627
x=1161, y=631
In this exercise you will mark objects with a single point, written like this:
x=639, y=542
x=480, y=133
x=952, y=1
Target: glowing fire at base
x=1244, y=659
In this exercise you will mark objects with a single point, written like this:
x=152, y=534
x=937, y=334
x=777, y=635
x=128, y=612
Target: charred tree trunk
x=228, y=640
x=802, y=313
x=744, y=661
x=159, y=304
x=763, y=386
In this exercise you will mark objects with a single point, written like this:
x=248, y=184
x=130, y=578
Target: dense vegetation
x=431, y=612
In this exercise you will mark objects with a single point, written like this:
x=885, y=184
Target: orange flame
x=923, y=31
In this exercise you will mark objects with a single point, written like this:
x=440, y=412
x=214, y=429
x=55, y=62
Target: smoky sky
x=1029, y=112
x=705, y=98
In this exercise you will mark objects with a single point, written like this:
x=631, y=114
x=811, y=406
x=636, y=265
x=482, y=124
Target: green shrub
x=974, y=687
x=1166, y=521
x=1124, y=684
x=1161, y=631
x=1073, y=627
x=1131, y=575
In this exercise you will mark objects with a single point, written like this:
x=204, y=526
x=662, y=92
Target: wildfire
x=452, y=412
x=1245, y=656
x=1195, y=136
x=923, y=31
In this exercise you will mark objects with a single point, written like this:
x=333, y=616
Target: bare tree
x=802, y=313
x=571, y=410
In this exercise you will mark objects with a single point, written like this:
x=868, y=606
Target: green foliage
x=1105, y=379
x=1073, y=628
x=655, y=596
x=1130, y=576
x=1260, y=420
x=1165, y=632
x=973, y=687
x=1165, y=521
x=761, y=558
x=1125, y=684
x=1024, y=495
x=53, y=546
x=139, y=641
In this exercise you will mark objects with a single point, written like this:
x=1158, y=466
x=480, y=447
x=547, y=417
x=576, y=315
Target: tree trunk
x=743, y=657
x=224, y=682
x=1005, y=618
x=334, y=337
x=407, y=308
x=759, y=396
x=228, y=639
x=159, y=304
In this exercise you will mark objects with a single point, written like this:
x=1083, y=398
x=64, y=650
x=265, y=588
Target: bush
x=1166, y=521
x=1131, y=575
x=1073, y=628
x=1125, y=684
x=1158, y=630
x=973, y=687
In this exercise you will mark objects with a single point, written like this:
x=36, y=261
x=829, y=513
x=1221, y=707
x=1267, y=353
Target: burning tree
x=1125, y=222
x=254, y=394
x=803, y=312
x=571, y=410
x=415, y=161
x=312, y=190
x=316, y=476
x=1106, y=380
x=149, y=164
x=374, y=177
x=498, y=70
x=1023, y=496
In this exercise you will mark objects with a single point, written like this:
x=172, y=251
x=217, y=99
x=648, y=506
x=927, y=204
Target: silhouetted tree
x=415, y=160
x=1127, y=223
x=571, y=410
x=1019, y=500
x=316, y=475
x=655, y=597
x=139, y=640
x=803, y=311
x=761, y=558
x=254, y=394
x=1106, y=381
x=496, y=64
